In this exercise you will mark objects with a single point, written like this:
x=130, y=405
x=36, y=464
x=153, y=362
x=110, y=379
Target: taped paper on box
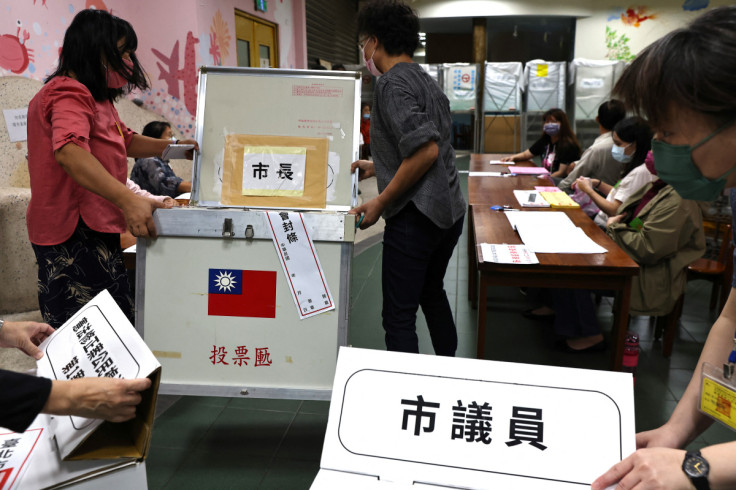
x=300, y=263
x=274, y=170
x=315, y=172
x=99, y=341
x=16, y=451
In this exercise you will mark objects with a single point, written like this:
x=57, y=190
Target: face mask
x=370, y=65
x=619, y=155
x=115, y=80
x=366, y=116
x=551, y=128
x=674, y=164
x=649, y=162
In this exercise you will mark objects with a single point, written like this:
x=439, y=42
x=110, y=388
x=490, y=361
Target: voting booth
x=545, y=83
x=415, y=421
x=502, y=107
x=246, y=291
x=592, y=82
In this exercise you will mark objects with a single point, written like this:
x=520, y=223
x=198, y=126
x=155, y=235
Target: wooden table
x=610, y=271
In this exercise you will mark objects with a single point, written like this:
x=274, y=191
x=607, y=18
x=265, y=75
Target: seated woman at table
x=661, y=232
x=632, y=141
x=154, y=174
x=558, y=146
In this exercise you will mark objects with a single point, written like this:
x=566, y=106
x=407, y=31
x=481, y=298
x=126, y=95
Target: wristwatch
x=696, y=468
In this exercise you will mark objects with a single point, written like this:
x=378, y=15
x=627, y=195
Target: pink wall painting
x=175, y=38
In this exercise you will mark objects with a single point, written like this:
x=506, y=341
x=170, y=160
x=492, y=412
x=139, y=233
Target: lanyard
x=728, y=368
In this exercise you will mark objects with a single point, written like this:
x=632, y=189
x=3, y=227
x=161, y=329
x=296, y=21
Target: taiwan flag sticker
x=241, y=293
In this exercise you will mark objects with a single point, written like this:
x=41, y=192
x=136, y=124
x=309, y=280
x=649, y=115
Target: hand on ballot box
x=111, y=399
x=365, y=169
x=370, y=212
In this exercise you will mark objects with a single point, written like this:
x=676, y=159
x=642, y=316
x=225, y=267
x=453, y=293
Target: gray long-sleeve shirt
x=409, y=110
x=597, y=162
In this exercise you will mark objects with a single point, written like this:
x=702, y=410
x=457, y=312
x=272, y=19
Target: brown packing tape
x=315, y=178
x=131, y=439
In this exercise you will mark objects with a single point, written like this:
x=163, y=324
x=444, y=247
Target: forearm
x=686, y=419
x=603, y=204
x=88, y=172
x=143, y=146
x=410, y=171
x=720, y=458
x=522, y=157
x=561, y=171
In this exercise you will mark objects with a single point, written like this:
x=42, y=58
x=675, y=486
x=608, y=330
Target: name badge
x=718, y=395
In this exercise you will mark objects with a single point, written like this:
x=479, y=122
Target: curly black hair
x=394, y=24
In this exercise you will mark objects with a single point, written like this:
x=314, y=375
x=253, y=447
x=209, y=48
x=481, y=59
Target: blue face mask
x=674, y=164
x=551, y=128
x=618, y=153
x=367, y=116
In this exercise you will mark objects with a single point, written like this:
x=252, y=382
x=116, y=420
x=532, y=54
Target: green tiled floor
x=205, y=442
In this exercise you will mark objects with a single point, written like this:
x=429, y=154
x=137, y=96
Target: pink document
x=516, y=169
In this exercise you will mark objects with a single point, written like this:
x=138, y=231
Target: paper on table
x=517, y=169
x=551, y=188
x=507, y=254
x=186, y=195
x=499, y=162
x=552, y=232
x=530, y=199
x=486, y=174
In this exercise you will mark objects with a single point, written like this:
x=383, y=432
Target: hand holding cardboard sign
x=111, y=399
x=25, y=336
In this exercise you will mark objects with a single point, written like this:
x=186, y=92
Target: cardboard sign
x=16, y=451
x=411, y=419
x=100, y=341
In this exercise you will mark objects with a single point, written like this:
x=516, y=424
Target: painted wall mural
x=175, y=38
x=620, y=30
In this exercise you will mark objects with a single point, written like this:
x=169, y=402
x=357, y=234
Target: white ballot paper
x=97, y=341
x=16, y=451
x=507, y=254
x=552, y=232
x=300, y=263
x=485, y=174
x=408, y=420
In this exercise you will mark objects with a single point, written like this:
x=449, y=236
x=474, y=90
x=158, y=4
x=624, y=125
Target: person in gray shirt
x=418, y=183
x=597, y=161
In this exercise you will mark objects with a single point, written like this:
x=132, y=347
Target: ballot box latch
x=227, y=228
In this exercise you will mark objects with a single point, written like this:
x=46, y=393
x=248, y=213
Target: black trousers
x=415, y=257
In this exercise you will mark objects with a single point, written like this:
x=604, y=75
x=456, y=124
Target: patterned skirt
x=72, y=273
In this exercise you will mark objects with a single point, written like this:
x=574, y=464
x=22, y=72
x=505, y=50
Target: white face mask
x=619, y=155
x=370, y=64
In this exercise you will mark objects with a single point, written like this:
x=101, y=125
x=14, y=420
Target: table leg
x=482, y=309
x=472, y=265
x=620, y=324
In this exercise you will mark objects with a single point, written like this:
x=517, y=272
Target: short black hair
x=155, y=129
x=692, y=67
x=90, y=43
x=610, y=112
x=634, y=129
x=395, y=25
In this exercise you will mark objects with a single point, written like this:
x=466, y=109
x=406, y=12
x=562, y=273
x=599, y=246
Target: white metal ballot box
x=246, y=291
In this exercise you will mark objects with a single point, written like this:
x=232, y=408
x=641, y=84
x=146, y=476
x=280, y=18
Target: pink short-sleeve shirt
x=64, y=112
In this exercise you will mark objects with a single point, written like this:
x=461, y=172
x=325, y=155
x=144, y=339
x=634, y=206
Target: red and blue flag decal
x=241, y=293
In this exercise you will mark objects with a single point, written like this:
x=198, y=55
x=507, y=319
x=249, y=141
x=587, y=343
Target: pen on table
x=503, y=208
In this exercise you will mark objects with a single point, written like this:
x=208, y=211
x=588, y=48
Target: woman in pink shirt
x=77, y=160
